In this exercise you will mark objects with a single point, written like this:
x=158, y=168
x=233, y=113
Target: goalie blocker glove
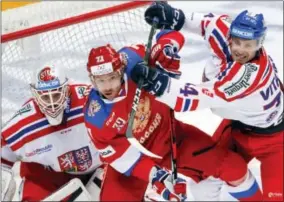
x=155, y=80
x=169, y=17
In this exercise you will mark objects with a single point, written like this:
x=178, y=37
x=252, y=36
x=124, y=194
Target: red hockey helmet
x=104, y=60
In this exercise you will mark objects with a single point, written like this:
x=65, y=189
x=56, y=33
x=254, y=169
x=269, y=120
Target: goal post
x=62, y=34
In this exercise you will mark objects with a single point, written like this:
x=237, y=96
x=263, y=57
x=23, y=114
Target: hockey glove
x=164, y=55
x=169, y=17
x=155, y=81
x=162, y=182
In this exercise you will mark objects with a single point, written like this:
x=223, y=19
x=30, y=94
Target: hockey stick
x=136, y=99
x=173, y=147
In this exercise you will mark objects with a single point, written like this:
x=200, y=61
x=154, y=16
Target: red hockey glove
x=164, y=55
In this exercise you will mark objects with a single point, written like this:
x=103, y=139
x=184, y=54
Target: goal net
x=62, y=34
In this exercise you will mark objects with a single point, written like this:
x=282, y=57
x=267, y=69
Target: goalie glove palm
x=162, y=182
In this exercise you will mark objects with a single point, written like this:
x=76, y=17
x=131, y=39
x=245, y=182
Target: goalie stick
x=133, y=141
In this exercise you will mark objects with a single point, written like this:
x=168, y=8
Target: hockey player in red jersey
x=49, y=137
x=240, y=84
x=106, y=116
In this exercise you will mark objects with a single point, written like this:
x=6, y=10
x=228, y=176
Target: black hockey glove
x=155, y=81
x=169, y=17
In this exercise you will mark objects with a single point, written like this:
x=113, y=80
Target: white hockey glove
x=8, y=184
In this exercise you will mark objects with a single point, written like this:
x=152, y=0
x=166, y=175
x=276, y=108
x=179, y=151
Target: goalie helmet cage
x=62, y=34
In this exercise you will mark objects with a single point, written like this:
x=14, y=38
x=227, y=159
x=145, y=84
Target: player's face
x=52, y=100
x=108, y=85
x=243, y=50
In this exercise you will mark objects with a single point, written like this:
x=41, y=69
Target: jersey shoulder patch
x=81, y=90
x=96, y=111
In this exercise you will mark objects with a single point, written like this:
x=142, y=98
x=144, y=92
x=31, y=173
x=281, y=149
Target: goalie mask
x=50, y=91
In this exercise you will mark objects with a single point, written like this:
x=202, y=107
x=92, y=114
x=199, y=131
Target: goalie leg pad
x=8, y=184
x=94, y=184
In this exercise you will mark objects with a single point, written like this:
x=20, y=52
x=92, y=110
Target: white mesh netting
x=66, y=47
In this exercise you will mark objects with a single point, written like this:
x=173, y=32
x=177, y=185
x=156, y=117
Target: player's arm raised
x=235, y=82
x=175, y=19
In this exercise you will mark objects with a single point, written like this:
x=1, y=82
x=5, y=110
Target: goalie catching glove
x=162, y=182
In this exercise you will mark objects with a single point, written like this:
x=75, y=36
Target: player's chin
x=109, y=96
x=241, y=60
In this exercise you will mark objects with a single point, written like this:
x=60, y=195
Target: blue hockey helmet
x=247, y=26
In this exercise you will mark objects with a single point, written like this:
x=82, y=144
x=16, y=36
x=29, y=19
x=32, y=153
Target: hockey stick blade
x=133, y=141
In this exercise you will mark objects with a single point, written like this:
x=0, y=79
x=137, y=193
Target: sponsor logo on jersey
x=142, y=115
x=94, y=107
x=271, y=116
x=66, y=131
x=76, y=160
x=38, y=151
x=243, y=82
x=274, y=87
x=26, y=110
x=107, y=152
x=23, y=110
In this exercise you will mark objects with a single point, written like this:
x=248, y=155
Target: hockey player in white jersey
x=48, y=136
x=240, y=84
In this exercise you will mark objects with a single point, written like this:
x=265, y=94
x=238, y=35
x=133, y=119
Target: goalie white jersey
x=30, y=138
x=251, y=93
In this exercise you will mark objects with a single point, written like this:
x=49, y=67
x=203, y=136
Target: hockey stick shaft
x=173, y=147
x=137, y=95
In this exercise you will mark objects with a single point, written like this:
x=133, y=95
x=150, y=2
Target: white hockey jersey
x=251, y=93
x=68, y=148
